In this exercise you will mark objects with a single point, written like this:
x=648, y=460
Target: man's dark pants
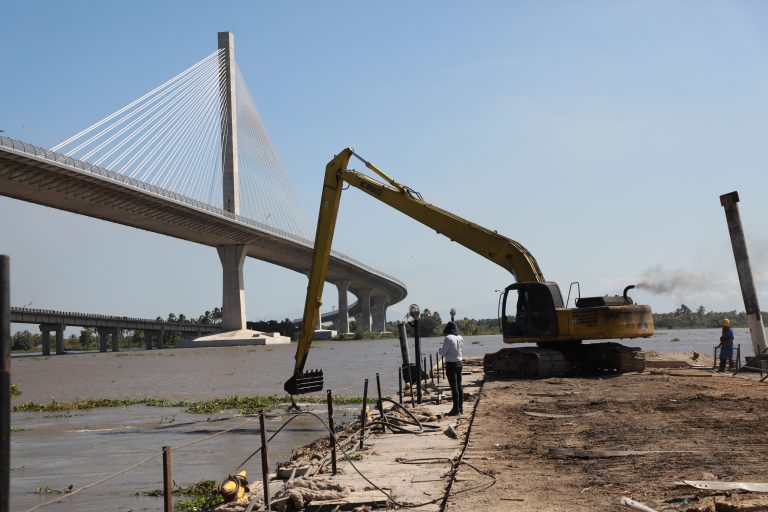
x=453, y=372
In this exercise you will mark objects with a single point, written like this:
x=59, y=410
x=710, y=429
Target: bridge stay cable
x=172, y=138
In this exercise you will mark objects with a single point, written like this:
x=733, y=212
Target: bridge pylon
x=232, y=256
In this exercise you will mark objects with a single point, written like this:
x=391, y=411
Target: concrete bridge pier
x=364, y=316
x=379, y=312
x=233, y=296
x=116, y=335
x=46, y=339
x=150, y=336
x=45, y=330
x=342, y=321
x=103, y=334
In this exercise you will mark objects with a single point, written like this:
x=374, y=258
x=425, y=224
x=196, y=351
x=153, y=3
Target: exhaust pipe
x=627, y=299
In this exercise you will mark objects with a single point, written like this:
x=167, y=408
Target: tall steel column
x=232, y=256
x=743, y=268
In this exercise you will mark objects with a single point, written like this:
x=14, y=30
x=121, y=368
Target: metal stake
x=363, y=415
x=426, y=375
x=738, y=356
x=380, y=405
x=714, y=359
x=264, y=461
x=431, y=370
x=5, y=383
x=437, y=362
x=167, y=480
x=417, y=345
x=400, y=385
x=333, y=431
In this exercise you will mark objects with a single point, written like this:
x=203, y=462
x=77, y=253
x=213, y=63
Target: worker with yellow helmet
x=726, y=345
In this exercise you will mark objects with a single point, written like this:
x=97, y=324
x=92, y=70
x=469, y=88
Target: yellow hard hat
x=725, y=322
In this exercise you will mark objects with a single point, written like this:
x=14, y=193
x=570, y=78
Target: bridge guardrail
x=61, y=158
x=35, y=311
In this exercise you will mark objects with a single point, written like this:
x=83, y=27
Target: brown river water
x=56, y=450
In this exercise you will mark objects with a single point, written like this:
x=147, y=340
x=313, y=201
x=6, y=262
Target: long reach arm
x=489, y=244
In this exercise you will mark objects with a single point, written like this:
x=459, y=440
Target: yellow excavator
x=539, y=315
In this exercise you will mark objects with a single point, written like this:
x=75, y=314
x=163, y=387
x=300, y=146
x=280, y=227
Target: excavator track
x=610, y=357
x=527, y=363
x=541, y=362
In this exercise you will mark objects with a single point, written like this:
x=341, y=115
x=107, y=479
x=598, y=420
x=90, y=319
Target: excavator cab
x=533, y=314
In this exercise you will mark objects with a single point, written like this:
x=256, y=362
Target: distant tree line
x=685, y=318
x=285, y=328
x=432, y=324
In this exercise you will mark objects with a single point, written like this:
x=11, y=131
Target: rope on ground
x=129, y=468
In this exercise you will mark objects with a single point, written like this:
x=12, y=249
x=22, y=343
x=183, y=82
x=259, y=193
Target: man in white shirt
x=451, y=350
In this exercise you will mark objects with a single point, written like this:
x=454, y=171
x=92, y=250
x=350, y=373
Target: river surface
x=56, y=450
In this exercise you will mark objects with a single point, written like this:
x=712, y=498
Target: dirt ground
x=631, y=435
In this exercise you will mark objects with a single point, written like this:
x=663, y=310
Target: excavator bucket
x=304, y=382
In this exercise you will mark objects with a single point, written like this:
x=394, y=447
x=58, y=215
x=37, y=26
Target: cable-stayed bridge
x=191, y=159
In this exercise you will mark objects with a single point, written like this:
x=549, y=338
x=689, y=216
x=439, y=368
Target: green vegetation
x=15, y=391
x=285, y=328
x=197, y=504
x=202, y=491
x=48, y=490
x=685, y=318
x=245, y=405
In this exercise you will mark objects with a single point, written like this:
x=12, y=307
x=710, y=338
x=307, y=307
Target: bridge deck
x=37, y=175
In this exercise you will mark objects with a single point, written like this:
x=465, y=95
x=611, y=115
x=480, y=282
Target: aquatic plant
x=244, y=405
x=201, y=491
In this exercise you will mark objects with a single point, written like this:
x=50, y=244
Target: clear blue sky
x=597, y=134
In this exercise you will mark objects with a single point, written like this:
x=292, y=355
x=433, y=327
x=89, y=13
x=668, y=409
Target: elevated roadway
x=106, y=326
x=34, y=174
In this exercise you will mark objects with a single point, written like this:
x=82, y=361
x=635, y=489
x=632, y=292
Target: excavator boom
x=491, y=245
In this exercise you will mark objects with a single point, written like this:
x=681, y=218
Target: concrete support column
x=103, y=333
x=148, y=335
x=379, y=312
x=46, y=329
x=364, y=296
x=233, y=297
x=161, y=340
x=59, y=339
x=45, y=334
x=342, y=321
x=744, y=270
x=116, y=335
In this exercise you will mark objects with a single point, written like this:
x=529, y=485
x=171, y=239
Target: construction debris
x=726, y=486
x=635, y=504
x=302, y=492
